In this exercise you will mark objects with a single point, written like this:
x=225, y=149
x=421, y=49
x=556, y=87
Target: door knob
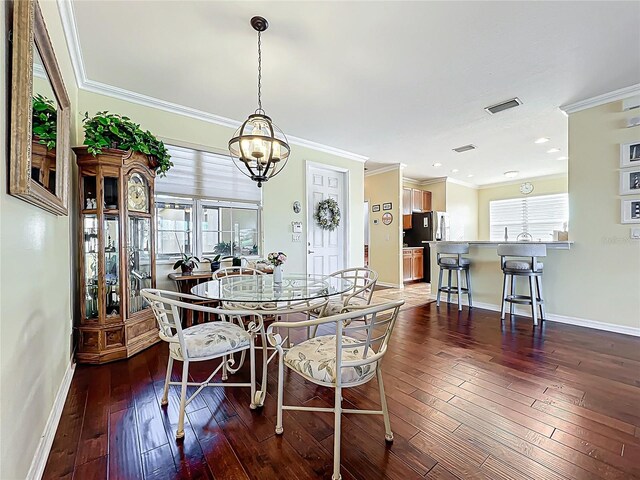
x=310, y=251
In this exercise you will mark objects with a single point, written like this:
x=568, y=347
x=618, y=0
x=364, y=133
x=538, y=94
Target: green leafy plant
x=186, y=262
x=110, y=130
x=44, y=121
x=225, y=248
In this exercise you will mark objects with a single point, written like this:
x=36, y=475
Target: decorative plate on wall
x=387, y=218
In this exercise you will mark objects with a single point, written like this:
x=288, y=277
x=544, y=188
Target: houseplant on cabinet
x=109, y=130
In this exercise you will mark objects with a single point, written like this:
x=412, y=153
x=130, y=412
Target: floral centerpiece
x=277, y=259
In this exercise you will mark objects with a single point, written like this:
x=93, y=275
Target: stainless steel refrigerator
x=427, y=227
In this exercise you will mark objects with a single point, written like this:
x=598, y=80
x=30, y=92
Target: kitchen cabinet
x=416, y=204
x=414, y=201
x=406, y=201
x=412, y=264
x=406, y=222
x=426, y=201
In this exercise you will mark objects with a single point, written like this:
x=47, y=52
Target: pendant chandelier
x=259, y=148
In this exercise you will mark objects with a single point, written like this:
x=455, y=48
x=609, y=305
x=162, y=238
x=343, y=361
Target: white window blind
x=209, y=175
x=539, y=216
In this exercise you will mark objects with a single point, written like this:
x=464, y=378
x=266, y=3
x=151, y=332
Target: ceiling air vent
x=499, y=107
x=464, y=148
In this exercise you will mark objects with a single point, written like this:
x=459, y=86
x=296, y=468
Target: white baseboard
x=391, y=285
x=46, y=440
x=581, y=322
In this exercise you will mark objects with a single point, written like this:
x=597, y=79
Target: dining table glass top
x=262, y=288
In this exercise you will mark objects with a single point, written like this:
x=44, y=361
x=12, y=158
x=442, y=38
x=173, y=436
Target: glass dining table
x=260, y=292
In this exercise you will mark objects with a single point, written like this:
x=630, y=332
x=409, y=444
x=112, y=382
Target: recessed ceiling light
x=553, y=150
x=437, y=164
x=455, y=170
x=562, y=158
x=470, y=175
x=511, y=173
x=542, y=140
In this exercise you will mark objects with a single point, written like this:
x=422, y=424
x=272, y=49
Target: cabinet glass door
x=90, y=252
x=112, y=266
x=139, y=251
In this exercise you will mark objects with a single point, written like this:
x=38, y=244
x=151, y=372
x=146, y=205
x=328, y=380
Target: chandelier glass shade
x=259, y=148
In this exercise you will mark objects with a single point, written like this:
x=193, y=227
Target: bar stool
x=457, y=263
x=529, y=266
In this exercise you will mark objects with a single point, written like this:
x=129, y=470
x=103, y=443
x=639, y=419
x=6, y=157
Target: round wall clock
x=526, y=188
x=297, y=207
x=387, y=218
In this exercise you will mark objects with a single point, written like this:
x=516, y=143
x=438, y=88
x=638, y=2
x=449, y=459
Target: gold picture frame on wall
x=40, y=115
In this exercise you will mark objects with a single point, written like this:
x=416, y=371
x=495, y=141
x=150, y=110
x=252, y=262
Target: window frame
x=198, y=204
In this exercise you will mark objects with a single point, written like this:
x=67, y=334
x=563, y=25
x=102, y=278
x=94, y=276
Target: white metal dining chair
x=230, y=271
x=218, y=339
x=350, y=357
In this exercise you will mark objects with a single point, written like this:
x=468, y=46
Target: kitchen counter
x=486, y=275
x=488, y=243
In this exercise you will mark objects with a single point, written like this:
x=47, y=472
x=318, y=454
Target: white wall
x=36, y=278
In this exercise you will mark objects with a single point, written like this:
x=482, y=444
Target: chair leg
x=438, y=293
x=388, y=434
x=336, y=435
x=534, y=299
x=449, y=285
x=504, y=297
x=167, y=379
x=512, y=306
x=543, y=313
x=468, y=275
x=225, y=374
x=183, y=399
x=459, y=279
x=252, y=360
x=279, y=428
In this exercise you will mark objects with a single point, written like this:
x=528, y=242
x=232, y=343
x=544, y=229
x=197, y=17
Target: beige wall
x=36, y=277
x=385, y=245
x=279, y=193
x=462, y=207
x=438, y=191
x=541, y=186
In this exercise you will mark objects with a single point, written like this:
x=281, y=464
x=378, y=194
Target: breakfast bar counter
x=486, y=274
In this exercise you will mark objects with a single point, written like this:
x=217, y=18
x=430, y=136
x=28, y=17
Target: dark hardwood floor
x=469, y=398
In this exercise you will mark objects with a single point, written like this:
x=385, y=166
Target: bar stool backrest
x=522, y=250
x=452, y=248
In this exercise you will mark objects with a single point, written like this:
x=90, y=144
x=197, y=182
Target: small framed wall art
x=375, y=208
x=630, y=181
x=630, y=210
x=387, y=206
x=630, y=154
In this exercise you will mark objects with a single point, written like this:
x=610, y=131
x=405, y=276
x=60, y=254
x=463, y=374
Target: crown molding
x=378, y=171
x=524, y=179
x=598, y=100
x=67, y=15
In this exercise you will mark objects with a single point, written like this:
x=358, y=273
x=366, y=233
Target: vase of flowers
x=277, y=259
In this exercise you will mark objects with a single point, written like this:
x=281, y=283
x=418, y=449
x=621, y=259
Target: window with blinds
x=205, y=206
x=538, y=216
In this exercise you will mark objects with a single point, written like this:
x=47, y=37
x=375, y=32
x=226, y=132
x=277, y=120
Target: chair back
x=452, y=248
x=522, y=250
x=364, y=282
x=167, y=305
x=229, y=271
x=371, y=327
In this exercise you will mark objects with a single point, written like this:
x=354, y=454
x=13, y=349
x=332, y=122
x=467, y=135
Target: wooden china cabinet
x=116, y=255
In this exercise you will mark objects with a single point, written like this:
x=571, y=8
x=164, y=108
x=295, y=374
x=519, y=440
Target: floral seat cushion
x=316, y=358
x=210, y=339
x=336, y=304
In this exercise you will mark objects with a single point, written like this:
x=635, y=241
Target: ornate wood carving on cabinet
x=116, y=255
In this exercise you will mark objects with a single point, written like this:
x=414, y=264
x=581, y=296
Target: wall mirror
x=40, y=115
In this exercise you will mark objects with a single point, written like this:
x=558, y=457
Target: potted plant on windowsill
x=105, y=131
x=186, y=263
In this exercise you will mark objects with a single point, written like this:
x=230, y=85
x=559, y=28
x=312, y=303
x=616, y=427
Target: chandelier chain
x=260, y=72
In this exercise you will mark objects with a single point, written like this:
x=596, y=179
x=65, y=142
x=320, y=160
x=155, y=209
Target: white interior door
x=326, y=249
